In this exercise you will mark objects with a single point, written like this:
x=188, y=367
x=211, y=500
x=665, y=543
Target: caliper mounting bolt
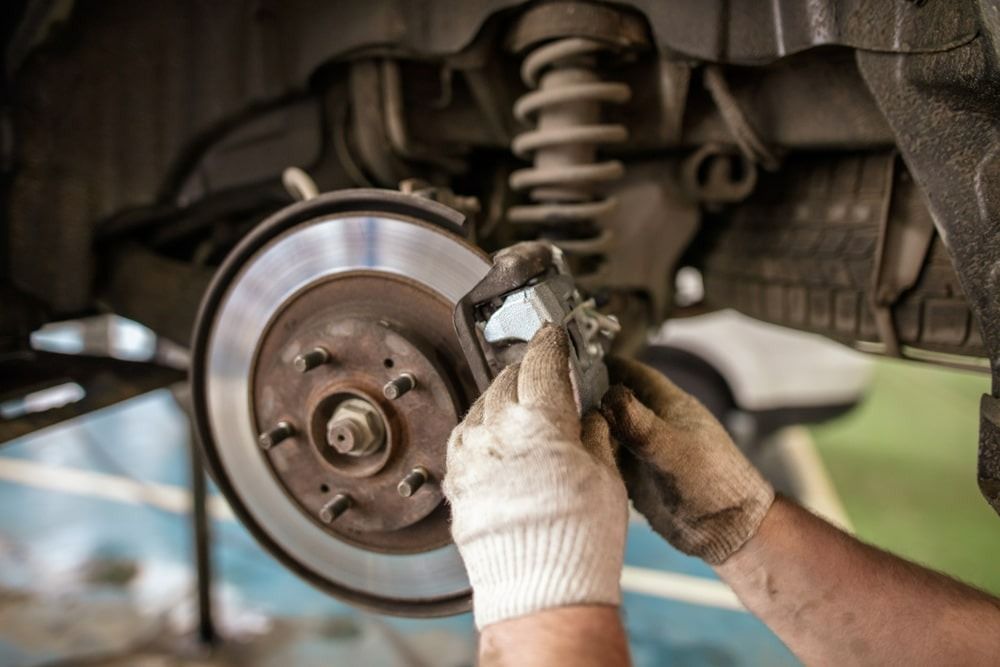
x=281, y=431
x=339, y=504
x=413, y=481
x=393, y=389
x=307, y=361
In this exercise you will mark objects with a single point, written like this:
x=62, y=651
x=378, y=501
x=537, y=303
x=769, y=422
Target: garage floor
x=95, y=569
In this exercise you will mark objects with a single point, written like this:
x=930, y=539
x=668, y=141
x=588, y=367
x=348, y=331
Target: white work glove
x=683, y=472
x=539, y=511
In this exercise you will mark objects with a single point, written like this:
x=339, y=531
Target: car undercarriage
x=305, y=191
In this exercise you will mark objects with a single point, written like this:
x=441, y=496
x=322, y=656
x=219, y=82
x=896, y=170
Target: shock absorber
x=565, y=178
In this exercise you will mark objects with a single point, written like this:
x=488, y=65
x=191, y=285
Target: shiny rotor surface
x=287, y=264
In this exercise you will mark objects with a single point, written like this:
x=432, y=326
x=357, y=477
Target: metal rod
x=412, y=482
x=279, y=432
x=393, y=389
x=202, y=544
x=307, y=361
x=333, y=509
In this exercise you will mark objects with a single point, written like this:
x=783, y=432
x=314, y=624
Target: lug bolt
x=307, y=361
x=393, y=389
x=339, y=504
x=281, y=431
x=413, y=481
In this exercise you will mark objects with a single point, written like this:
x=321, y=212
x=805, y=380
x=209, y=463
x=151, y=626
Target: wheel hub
x=349, y=437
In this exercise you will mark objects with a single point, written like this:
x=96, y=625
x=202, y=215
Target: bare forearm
x=834, y=600
x=580, y=635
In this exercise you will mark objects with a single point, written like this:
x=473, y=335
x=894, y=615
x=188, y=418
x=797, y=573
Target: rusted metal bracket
x=988, y=473
x=512, y=268
x=106, y=382
x=528, y=287
x=904, y=240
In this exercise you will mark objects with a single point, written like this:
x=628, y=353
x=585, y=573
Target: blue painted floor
x=82, y=575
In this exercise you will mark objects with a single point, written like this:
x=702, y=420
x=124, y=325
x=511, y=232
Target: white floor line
x=818, y=493
x=177, y=500
x=684, y=588
x=165, y=497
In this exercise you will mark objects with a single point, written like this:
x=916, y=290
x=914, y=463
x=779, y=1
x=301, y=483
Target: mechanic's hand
x=539, y=511
x=683, y=472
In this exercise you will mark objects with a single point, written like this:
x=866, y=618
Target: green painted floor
x=904, y=463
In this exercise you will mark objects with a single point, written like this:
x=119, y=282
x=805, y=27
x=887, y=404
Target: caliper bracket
x=528, y=286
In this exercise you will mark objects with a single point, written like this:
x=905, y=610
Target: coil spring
x=565, y=176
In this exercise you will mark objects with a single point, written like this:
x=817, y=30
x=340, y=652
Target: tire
x=801, y=251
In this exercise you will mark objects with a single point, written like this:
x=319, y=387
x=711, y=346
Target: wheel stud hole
x=324, y=488
x=388, y=363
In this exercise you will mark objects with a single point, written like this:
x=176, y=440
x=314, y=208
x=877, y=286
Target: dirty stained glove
x=539, y=511
x=683, y=472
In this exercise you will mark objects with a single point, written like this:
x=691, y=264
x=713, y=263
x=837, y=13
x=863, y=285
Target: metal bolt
x=413, y=481
x=393, y=389
x=345, y=435
x=356, y=428
x=281, y=431
x=339, y=504
x=307, y=361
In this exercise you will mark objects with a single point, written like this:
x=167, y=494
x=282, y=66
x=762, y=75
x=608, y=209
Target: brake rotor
x=326, y=377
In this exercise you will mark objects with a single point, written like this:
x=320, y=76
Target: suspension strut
x=564, y=182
